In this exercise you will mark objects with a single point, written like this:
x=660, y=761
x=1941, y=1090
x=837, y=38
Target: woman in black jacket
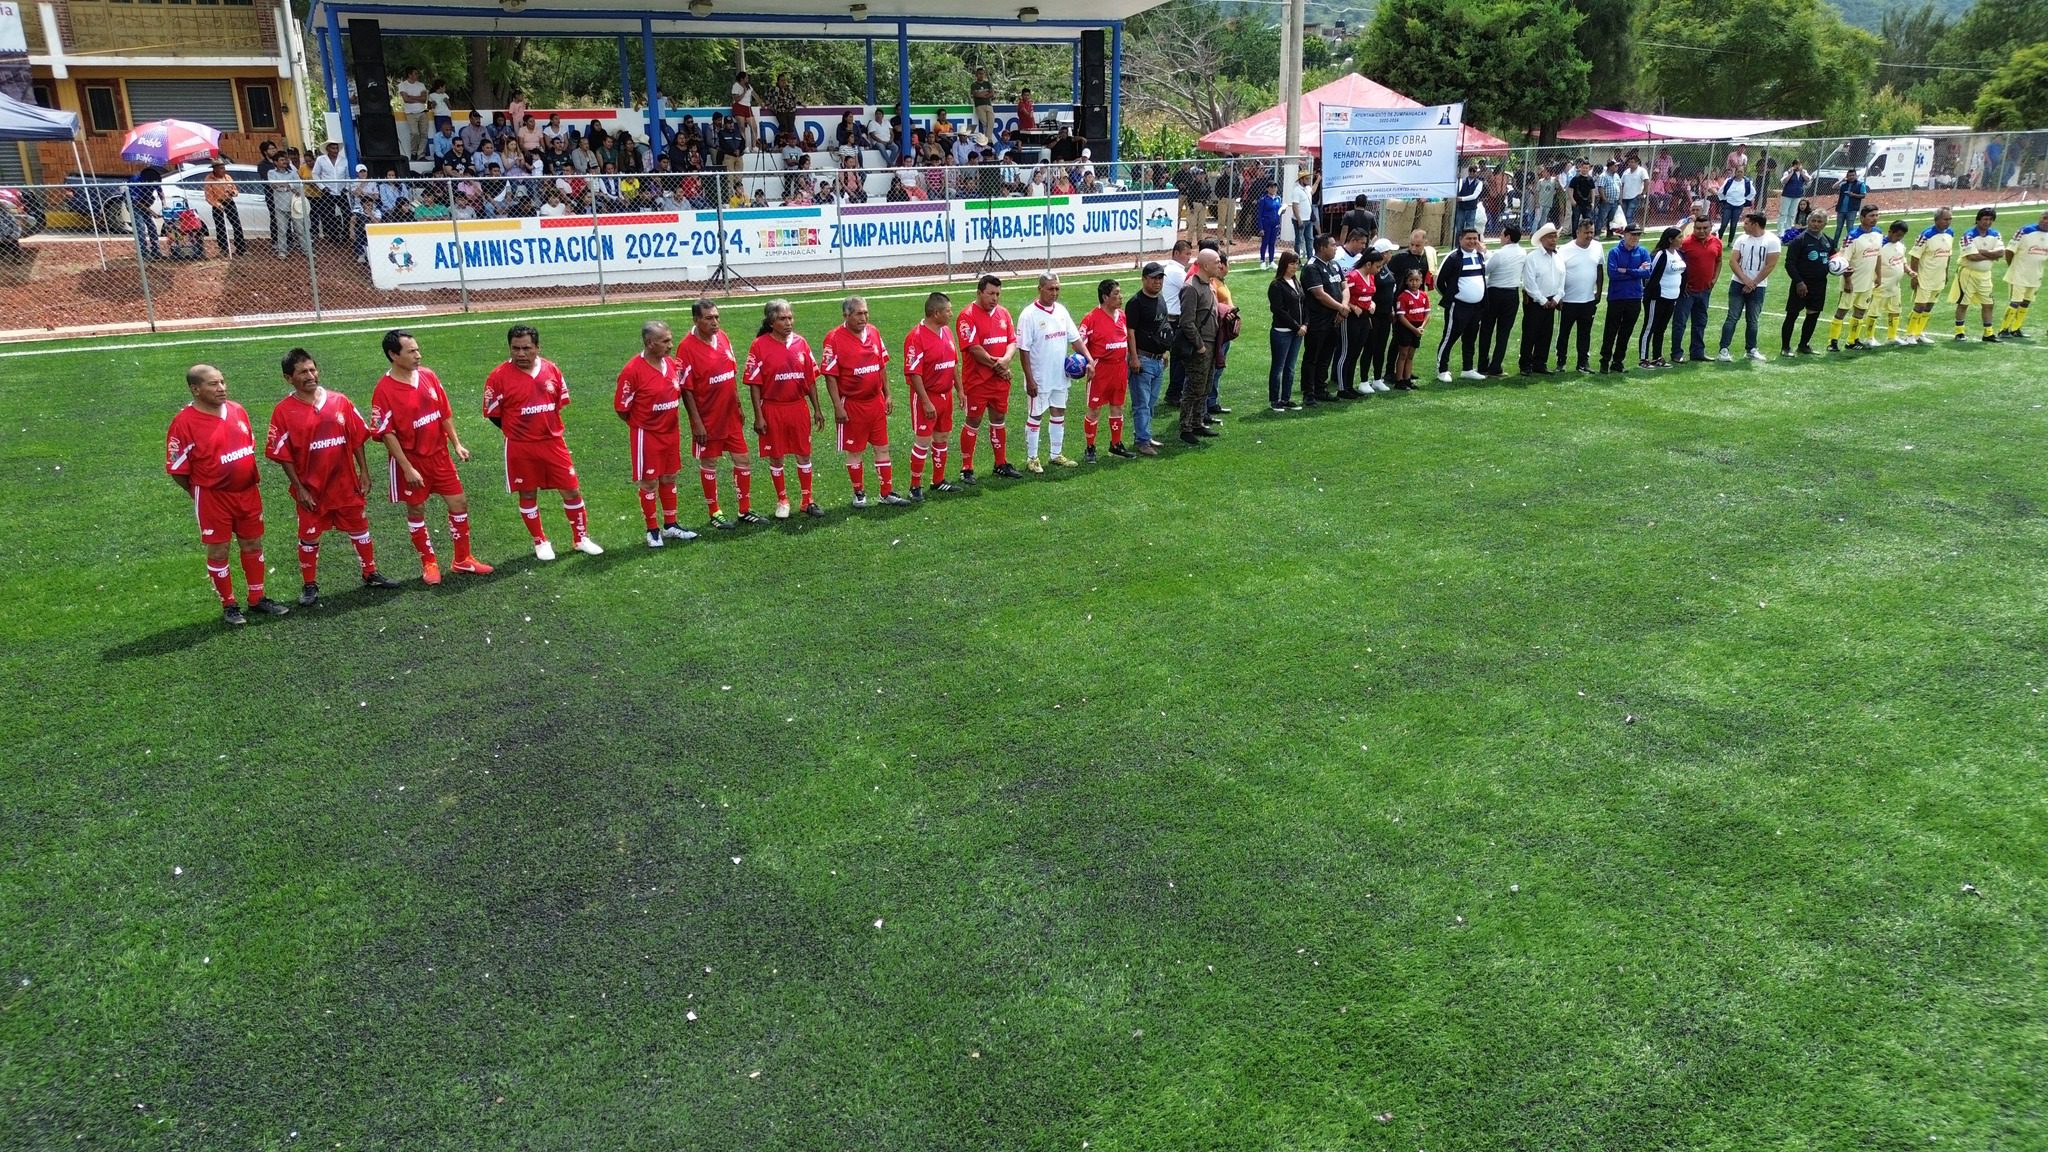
x=1283, y=297
x=1378, y=351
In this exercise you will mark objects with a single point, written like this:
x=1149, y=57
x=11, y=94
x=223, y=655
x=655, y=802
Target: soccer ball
x=1077, y=365
x=1837, y=264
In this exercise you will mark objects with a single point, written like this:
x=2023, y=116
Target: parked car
x=105, y=198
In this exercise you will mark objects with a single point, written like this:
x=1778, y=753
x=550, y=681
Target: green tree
x=1757, y=58
x=1426, y=49
x=2016, y=97
x=1192, y=65
x=1977, y=45
x=1910, y=37
x=1605, y=38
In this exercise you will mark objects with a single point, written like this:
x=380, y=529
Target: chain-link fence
x=180, y=253
x=118, y=255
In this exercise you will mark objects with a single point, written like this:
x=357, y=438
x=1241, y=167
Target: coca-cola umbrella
x=169, y=142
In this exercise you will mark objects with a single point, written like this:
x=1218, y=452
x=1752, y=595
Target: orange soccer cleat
x=430, y=571
x=470, y=565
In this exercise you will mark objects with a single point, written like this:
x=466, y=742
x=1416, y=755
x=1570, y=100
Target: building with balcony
x=235, y=65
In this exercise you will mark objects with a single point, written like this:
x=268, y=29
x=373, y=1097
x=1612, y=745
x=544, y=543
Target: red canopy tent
x=1607, y=126
x=1265, y=134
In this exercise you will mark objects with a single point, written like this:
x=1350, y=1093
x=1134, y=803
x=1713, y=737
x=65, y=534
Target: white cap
x=1383, y=245
x=1087, y=155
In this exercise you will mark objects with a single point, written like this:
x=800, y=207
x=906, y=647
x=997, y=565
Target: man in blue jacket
x=1849, y=200
x=1628, y=267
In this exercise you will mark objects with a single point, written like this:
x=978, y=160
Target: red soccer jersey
x=320, y=442
x=782, y=370
x=1108, y=340
x=712, y=376
x=1414, y=305
x=1361, y=289
x=859, y=364
x=992, y=332
x=930, y=353
x=418, y=414
x=218, y=453
x=529, y=405
x=650, y=397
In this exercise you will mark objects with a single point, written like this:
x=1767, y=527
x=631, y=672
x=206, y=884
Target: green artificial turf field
x=1605, y=762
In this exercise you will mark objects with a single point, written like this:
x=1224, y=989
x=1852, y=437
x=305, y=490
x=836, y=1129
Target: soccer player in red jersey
x=648, y=399
x=930, y=369
x=1108, y=340
x=856, y=372
x=988, y=340
x=317, y=438
x=711, y=397
x=524, y=397
x=410, y=413
x=784, y=378
x=211, y=453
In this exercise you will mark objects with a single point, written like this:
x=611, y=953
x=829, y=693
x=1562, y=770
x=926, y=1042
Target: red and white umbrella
x=168, y=142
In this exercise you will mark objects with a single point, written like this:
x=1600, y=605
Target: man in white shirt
x=412, y=99
x=1633, y=180
x=331, y=175
x=1301, y=208
x=1736, y=195
x=1503, y=297
x=1585, y=276
x=1169, y=291
x=1757, y=252
x=1461, y=282
x=1542, y=297
x=1045, y=333
x=881, y=138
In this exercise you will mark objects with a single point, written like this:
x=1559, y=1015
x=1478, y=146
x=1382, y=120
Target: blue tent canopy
x=19, y=121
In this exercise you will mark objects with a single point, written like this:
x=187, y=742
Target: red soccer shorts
x=997, y=404
x=1107, y=390
x=227, y=515
x=867, y=422
x=719, y=441
x=437, y=478
x=789, y=428
x=655, y=454
x=535, y=464
x=942, y=416
x=346, y=520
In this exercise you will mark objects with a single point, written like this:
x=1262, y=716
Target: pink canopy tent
x=1606, y=126
x=1265, y=134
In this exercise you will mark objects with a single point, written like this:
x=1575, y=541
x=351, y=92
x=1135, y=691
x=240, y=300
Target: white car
x=187, y=185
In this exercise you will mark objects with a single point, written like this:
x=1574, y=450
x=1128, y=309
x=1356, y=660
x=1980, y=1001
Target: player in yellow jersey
x=1928, y=264
x=1859, y=284
x=2024, y=261
x=1981, y=249
x=1891, y=278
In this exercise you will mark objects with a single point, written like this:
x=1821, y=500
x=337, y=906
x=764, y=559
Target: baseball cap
x=1154, y=268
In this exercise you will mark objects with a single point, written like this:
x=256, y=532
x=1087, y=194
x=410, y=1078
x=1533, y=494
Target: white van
x=1887, y=163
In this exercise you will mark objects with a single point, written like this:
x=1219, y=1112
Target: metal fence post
x=1045, y=217
x=721, y=276
x=597, y=250
x=312, y=267
x=836, y=236
x=142, y=264
x=455, y=239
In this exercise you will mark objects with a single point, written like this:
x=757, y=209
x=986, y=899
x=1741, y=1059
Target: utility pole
x=1290, y=88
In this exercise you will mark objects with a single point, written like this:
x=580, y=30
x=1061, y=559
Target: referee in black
x=1806, y=261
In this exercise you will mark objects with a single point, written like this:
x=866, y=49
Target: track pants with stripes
x=1461, y=325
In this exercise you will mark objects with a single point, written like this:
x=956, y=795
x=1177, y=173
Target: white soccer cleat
x=1031, y=464
x=1381, y=386
x=654, y=539
x=678, y=532
x=782, y=509
x=542, y=550
x=1472, y=374
x=589, y=547
x=1756, y=354
x=1724, y=357
x=1905, y=341
x=1443, y=377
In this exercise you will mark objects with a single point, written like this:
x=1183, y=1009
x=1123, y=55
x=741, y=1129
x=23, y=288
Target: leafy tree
x=1784, y=58
x=1910, y=38
x=1192, y=65
x=1428, y=50
x=2016, y=98
x=1985, y=36
x=1606, y=38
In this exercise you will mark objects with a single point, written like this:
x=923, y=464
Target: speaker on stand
x=376, y=128
x=1091, y=117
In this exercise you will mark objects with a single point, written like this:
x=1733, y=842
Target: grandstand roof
x=954, y=20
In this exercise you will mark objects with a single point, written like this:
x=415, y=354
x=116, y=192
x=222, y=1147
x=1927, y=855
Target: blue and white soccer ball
x=1077, y=365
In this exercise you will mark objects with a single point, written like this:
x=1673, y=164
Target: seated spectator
x=897, y=193
x=810, y=141
x=1037, y=186
x=851, y=187
x=881, y=138
x=529, y=135
x=433, y=204
x=485, y=157
x=760, y=199
x=963, y=150
x=848, y=133
x=942, y=128
x=472, y=133
x=441, y=143
x=802, y=195
x=553, y=130
x=689, y=131
x=1061, y=186
x=582, y=160
x=605, y=192
x=1065, y=149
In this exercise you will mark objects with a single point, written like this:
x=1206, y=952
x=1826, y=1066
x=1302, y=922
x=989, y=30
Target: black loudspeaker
x=376, y=128
x=1094, y=67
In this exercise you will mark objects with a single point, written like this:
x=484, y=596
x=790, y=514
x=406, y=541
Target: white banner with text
x=1385, y=153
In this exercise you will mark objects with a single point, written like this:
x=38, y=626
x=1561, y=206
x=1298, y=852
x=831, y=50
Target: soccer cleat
x=1276, y=406
x=678, y=532
x=1219, y=410
x=430, y=572
x=1905, y=341
x=860, y=498
x=1006, y=471
x=471, y=566
x=1381, y=386
x=894, y=499
x=966, y=477
x=654, y=539
x=782, y=509
x=945, y=486
x=1806, y=350
x=753, y=518
x=1063, y=462
x=379, y=580
x=916, y=495
x=542, y=550
x=1089, y=456
x=268, y=607
x=232, y=614
x=1119, y=451
x=588, y=547
x=1725, y=358
x=1836, y=345
x=1757, y=354
x=1472, y=374
x=1032, y=466
x=309, y=595
x=721, y=524
x=1960, y=337
x=1990, y=339
x=812, y=509
x=1445, y=377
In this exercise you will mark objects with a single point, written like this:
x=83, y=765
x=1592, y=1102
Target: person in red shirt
x=1108, y=340
x=648, y=399
x=988, y=339
x=317, y=438
x=410, y=413
x=211, y=453
x=930, y=370
x=784, y=379
x=856, y=372
x=524, y=397
x=1701, y=248
x=1411, y=312
x=711, y=397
